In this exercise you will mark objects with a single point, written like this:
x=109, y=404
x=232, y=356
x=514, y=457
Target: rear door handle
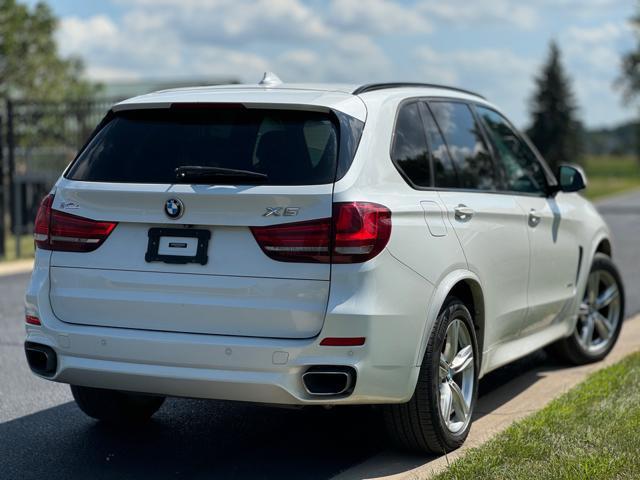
x=463, y=213
x=534, y=218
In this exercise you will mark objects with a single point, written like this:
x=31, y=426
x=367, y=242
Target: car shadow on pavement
x=495, y=389
x=498, y=387
x=213, y=439
x=190, y=439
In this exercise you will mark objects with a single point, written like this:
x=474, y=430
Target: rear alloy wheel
x=437, y=419
x=114, y=406
x=457, y=377
x=599, y=316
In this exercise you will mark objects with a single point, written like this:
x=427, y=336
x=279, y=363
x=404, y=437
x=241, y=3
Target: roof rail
x=371, y=87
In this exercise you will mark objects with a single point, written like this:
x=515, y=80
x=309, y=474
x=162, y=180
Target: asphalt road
x=622, y=214
x=43, y=434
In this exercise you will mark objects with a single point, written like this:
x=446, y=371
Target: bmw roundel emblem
x=173, y=208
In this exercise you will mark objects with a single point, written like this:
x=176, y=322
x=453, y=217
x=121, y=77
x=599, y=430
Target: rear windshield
x=146, y=146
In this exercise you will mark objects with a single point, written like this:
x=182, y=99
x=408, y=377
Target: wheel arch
x=600, y=243
x=604, y=246
x=466, y=286
x=469, y=291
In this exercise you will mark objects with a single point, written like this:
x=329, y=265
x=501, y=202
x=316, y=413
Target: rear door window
x=410, y=152
x=466, y=144
x=146, y=146
x=443, y=170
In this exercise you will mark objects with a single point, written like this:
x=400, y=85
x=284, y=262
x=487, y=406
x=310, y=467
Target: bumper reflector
x=32, y=320
x=342, y=341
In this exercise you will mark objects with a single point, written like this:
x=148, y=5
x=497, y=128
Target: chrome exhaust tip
x=42, y=359
x=329, y=381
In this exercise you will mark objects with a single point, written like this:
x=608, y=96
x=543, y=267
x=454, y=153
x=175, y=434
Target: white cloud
x=110, y=74
x=500, y=75
x=582, y=9
x=604, y=33
x=77, y=35
x=357, y=57
x=229, y=21
x=469, y=13
x=487, y=67
x=359, y=41
x=349, y=58
x=332, y=42
x=296, y=65
x=434, y=67
x=594, y=52
x=125, y=52
x=377, y=16
x=148, y=45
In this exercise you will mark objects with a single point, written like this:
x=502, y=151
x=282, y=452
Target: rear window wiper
x=217, y=175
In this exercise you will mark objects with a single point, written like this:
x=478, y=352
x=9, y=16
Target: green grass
x=608, y=175
x=592, y=431
x=26, y=247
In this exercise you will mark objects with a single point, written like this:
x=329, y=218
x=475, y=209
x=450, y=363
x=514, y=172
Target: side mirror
x=571, y=178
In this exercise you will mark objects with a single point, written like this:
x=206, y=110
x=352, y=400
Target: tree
x=32, y=69
x=30, y=65
x=555, y=129
x=630, y=78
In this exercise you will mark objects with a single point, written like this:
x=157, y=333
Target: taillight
x=296, y=242
x=61, y=231
x=357, y=232
x=360, y=231
x=43, y=219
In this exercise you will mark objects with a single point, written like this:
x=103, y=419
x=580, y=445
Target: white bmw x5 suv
x=313, y=245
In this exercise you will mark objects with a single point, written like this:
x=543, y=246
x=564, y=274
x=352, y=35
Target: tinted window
x=467, y=148
x=409, y=151
x=146, y=146
x=443, y=171
x=523, y=171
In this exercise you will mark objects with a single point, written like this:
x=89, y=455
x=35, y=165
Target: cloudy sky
x=492, y=46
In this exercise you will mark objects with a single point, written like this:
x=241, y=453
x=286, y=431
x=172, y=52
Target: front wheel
x=437, y=419
x=599, y=317
x=116, y=407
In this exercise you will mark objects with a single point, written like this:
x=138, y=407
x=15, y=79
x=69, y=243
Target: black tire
x=115, y=407
x=569, y=349
x=417, y=425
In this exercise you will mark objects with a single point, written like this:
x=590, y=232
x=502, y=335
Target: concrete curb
x=496, y=411
x=16, y=267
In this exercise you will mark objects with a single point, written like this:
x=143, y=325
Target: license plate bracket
x=155, y=234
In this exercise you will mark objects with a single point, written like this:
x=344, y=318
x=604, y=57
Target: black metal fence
x=37, y=141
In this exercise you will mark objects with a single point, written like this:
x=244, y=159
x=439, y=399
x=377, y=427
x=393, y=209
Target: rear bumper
x=207, y=366
x=238, y=368
x=227, y=372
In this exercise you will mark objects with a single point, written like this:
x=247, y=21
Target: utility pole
x=14, y=204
